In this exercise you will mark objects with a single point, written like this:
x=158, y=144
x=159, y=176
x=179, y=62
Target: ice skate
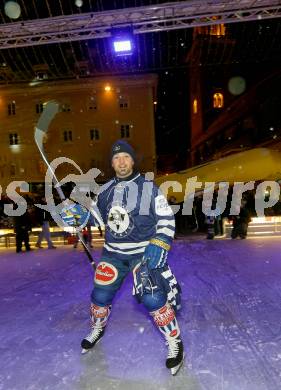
x=176, y=354
x=92, y=339
x=99, y=317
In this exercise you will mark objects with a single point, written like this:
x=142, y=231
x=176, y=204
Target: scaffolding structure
x=153, y=18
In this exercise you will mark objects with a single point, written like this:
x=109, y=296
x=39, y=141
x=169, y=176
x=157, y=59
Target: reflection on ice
x=230, y=322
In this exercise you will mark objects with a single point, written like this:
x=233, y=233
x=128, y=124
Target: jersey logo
x=119, y=222
x=116, y=218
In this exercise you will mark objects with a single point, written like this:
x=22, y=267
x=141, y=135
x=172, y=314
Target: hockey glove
x=144, y=282
x=156, y=253
x=75, y=215
x=151, y=281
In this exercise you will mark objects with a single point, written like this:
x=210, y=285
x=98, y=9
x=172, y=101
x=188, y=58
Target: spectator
x=44, y=217
x=241, y=222
x=22, y=227
x=87, y=237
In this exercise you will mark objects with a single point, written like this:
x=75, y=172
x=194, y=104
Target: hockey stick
x=50, y=110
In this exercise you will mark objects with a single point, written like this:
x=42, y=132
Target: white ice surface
x=230, y=322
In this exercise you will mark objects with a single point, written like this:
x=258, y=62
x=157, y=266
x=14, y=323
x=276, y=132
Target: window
x=125, y=131
x=66, y=107
x=12, y=170
x=92, y=104
x=67, y=136
x=13, y=139
x=218, y=101
x=94, y=134
x=41, y=167
x=123, y=102
x=12, y=108
x=195, y=106
x=217, y=30
x=39, y=108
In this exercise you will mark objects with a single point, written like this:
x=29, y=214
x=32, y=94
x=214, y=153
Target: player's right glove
x=156, y=253
x=75, y=215
x=151, y=281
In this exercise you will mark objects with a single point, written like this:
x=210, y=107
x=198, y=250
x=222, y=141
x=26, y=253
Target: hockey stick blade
x=51, y=109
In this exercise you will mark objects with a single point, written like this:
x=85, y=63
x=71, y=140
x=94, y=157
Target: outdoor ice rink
x=230, y=321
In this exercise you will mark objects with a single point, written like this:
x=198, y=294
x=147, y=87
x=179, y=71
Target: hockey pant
x=109, y=277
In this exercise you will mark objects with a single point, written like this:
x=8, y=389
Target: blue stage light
x=122, y=46
x=122, y=41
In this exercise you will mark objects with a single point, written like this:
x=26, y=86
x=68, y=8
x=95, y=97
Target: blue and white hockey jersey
x=133, y=211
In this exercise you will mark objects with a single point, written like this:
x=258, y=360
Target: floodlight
x=122, y=41
x=122, y=46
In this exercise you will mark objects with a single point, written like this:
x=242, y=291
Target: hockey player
x=139, y=229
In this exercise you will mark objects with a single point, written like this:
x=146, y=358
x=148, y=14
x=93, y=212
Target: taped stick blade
x=51, y=108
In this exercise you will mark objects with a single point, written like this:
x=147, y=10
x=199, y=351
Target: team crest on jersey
x=118, y=221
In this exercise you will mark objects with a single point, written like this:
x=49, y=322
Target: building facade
x=233, y=107
x=93, y=114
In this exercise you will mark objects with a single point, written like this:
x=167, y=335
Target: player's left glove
x=75, y=215
x=156, y=253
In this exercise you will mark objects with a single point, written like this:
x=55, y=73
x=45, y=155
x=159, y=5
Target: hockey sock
x=99, y=315
x=165, y=320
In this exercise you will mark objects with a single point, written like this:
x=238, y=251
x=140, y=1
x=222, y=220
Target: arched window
x=218, y=30
x=195, y=106
x=218, y=100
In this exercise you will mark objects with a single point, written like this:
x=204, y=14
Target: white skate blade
x=84, y=351
x=175, y=369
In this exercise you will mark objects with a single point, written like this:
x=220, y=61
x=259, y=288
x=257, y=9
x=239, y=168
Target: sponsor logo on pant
x=105, y=273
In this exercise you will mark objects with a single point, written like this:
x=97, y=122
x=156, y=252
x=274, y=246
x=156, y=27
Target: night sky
x=172, y=119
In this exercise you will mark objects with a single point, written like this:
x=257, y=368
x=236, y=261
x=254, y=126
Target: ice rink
x=230, y=321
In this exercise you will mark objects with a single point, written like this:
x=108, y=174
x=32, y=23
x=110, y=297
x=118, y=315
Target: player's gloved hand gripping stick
x=74, y=212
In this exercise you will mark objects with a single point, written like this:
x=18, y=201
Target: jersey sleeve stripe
x=165, y=222
x=167, y=231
